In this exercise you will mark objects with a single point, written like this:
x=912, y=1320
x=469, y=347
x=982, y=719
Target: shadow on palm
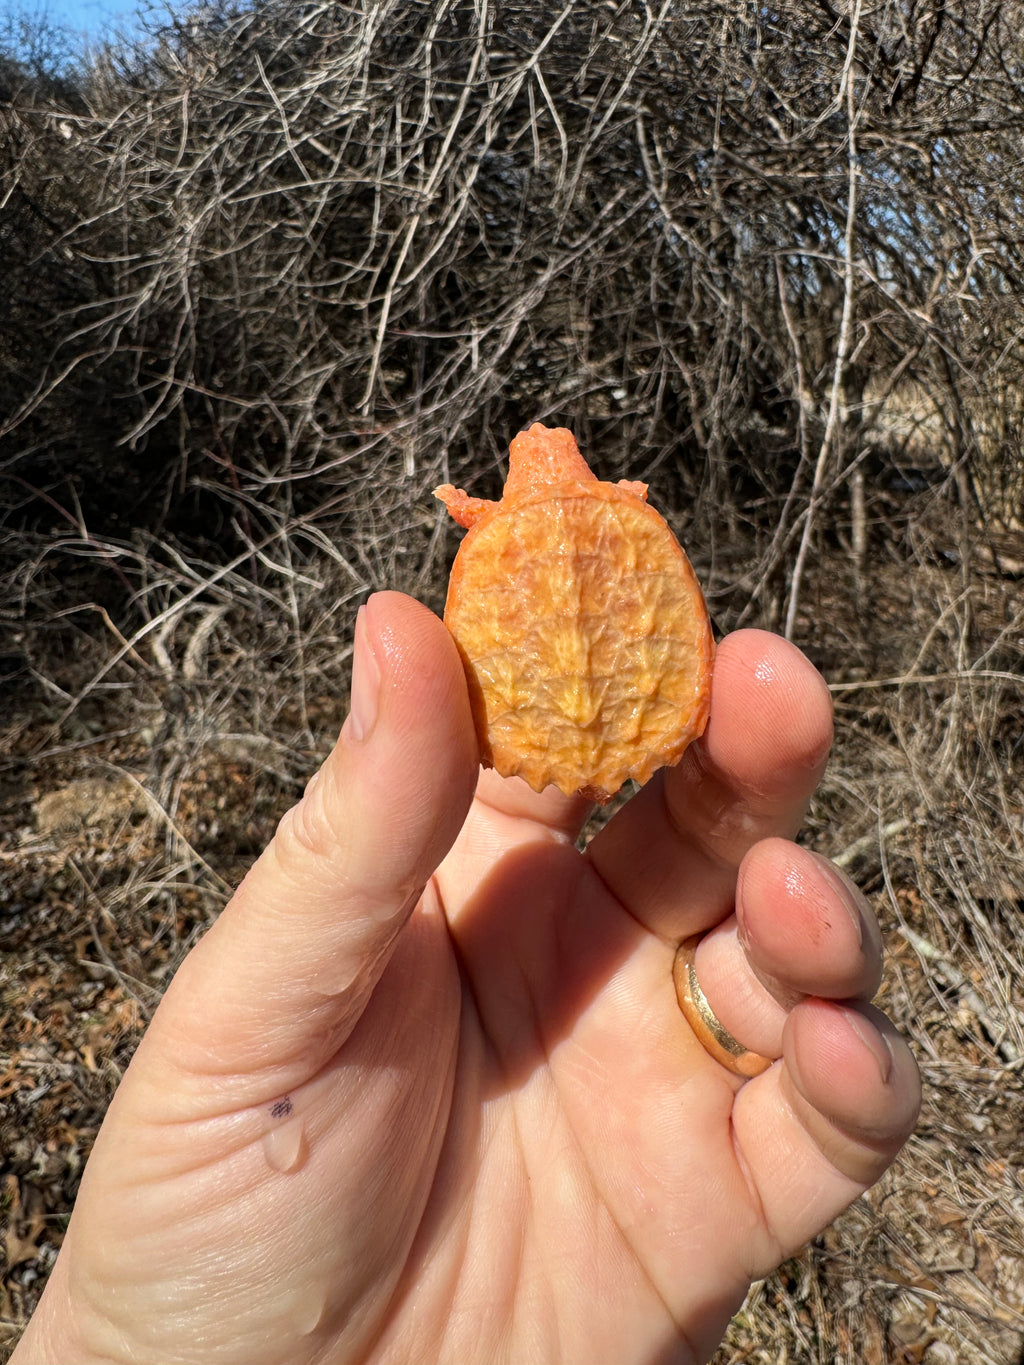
x=542, y=943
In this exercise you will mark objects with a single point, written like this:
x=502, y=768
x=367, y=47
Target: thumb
x=283, y=976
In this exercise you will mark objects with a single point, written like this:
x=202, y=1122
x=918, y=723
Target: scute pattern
x=583, y=632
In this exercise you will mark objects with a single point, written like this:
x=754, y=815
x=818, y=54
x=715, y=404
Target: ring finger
x=800, y=928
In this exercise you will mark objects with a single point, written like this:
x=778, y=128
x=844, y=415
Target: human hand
x=424, y=1091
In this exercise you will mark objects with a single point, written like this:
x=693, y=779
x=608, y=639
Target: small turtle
x=580, y=622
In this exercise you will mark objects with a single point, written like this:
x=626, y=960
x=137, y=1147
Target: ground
x=140, y=773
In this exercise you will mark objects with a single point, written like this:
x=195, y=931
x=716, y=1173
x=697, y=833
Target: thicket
x=279, y=248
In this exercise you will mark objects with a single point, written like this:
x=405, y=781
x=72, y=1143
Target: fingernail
x=365, y=684
x=875, y=1042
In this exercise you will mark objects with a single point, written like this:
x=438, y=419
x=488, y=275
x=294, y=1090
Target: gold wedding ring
x=716, y=1040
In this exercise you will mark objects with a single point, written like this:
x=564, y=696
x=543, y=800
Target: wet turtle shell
x=580, y=622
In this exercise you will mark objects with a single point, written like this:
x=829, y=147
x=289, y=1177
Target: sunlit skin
x=471, y=1125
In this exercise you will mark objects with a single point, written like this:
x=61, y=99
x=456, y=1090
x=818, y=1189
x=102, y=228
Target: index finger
x=671, y=855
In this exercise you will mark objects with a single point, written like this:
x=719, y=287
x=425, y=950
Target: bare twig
x=846, y=98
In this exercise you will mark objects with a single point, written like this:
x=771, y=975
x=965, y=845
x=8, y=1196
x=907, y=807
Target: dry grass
x=142, y=772
x=924, y=803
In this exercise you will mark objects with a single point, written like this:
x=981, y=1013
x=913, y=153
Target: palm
x=485, y=1132
x=518, y=1098
x=593, y=1130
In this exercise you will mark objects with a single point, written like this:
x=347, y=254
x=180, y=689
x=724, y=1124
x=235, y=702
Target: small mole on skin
x=281, y=1109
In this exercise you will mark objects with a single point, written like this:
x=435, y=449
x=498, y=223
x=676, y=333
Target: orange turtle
x=581, y=624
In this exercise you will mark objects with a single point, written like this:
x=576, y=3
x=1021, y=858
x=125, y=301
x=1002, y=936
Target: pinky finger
x=819, y=1128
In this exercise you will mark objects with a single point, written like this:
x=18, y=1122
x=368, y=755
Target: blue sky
x=96, y=18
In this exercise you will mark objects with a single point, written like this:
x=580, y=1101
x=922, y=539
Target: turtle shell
x=580, y=622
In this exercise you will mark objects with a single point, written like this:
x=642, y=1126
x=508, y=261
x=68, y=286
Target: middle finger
x=800, y=929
